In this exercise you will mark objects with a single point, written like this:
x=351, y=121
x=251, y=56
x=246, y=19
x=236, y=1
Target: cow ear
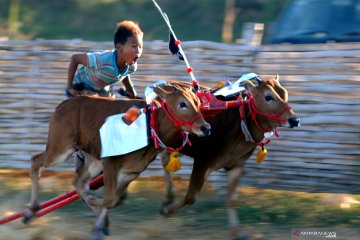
x=249, y=85
x=164, y=90
x=160, y=91
x=173, y=88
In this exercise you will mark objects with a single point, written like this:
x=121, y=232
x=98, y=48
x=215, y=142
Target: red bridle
x=175, y=119
x=254, y=112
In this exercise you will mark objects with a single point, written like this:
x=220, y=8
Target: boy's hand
x=124, y=93
x=70, y=92
x=127, y=94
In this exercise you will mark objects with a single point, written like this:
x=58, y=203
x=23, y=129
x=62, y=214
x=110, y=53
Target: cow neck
x=160, y=133
x=250, y=124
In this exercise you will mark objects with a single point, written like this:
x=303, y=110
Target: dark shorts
x=84, y=90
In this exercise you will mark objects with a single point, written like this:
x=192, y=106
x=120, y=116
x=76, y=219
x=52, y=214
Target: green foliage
x=96, y=19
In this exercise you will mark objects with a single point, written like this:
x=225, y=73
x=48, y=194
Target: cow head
x=183, y=107
x=270, y=104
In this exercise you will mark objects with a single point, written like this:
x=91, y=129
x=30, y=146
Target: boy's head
x=126, y=29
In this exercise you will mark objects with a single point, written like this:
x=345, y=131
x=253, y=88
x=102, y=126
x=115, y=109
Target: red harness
x=154, y=125
x=254, y=112
x=176, y=119
x=210, y=106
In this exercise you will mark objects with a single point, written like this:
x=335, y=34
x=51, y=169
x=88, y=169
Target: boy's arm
x=129, y=87
x=75, y=60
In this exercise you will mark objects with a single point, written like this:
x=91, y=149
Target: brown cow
x=228, y=148
x=75, y=125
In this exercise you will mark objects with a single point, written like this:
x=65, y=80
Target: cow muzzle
x=206, y=129
x=294, y=122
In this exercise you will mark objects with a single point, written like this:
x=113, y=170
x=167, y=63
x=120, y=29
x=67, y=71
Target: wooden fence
x=323, y=81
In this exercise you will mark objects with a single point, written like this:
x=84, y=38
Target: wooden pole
x=54, y=203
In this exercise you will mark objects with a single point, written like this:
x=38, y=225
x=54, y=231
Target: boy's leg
x=79, y=89
x=82, y=90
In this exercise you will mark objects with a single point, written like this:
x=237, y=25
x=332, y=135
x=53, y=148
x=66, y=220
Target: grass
x=270, y=212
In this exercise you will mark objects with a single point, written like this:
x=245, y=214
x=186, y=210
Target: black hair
x=126, y=29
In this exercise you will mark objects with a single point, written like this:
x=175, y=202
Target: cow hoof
x=164, y=212
x=106, y=231
x=97, y=234
x=28, y=216
x=243, y=236
x=26, y=219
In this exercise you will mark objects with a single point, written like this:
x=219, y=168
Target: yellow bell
x=174, y=163
x=261, y=155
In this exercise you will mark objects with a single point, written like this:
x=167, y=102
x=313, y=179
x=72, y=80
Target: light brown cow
x=228, y=148
x=75, y=125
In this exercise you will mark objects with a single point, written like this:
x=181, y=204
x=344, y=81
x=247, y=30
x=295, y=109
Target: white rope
x=246, y=132
x=153, y=132
x=248, y=136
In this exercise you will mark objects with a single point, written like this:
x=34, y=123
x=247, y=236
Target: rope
x=254, y=112
x=177, y=122
x=170, y=149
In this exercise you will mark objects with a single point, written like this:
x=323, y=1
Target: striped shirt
x=102, y=71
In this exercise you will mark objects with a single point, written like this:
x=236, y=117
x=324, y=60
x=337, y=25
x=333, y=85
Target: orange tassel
x=261, y=155
x=174, y=163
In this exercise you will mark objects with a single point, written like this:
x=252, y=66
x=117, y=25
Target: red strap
x=177, y=120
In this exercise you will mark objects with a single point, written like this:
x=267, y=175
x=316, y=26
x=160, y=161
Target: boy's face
x=130, y=52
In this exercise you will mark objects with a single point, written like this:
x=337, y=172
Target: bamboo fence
x=323, y=81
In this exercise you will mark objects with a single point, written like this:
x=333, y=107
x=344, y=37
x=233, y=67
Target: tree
x=13, y=20
x=229, y=20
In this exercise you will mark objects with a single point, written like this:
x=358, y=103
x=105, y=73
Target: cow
x=74, y=131
x=235, y=134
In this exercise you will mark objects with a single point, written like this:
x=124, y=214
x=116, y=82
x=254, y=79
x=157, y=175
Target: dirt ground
x=139, y=219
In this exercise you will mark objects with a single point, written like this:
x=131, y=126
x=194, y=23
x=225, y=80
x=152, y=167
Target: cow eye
x=269, y=98
x=183, y=105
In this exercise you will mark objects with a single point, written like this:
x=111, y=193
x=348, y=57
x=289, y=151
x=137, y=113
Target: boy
x=100, y=70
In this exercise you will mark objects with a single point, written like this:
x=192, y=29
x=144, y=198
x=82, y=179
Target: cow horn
x=277, y=78
x=248, y=85
x=258, y=80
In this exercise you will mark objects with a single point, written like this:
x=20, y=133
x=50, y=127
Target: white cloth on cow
x=118, y=138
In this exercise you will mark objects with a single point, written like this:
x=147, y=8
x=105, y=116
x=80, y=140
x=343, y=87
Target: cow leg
x=39, y=162
x=197, y=180
x=114, y=197
x=87, y=168
x=115, y=191
x=233, y=179
x=170, y=189
x=100, y=224
x=35, y=173
x=116, y=181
